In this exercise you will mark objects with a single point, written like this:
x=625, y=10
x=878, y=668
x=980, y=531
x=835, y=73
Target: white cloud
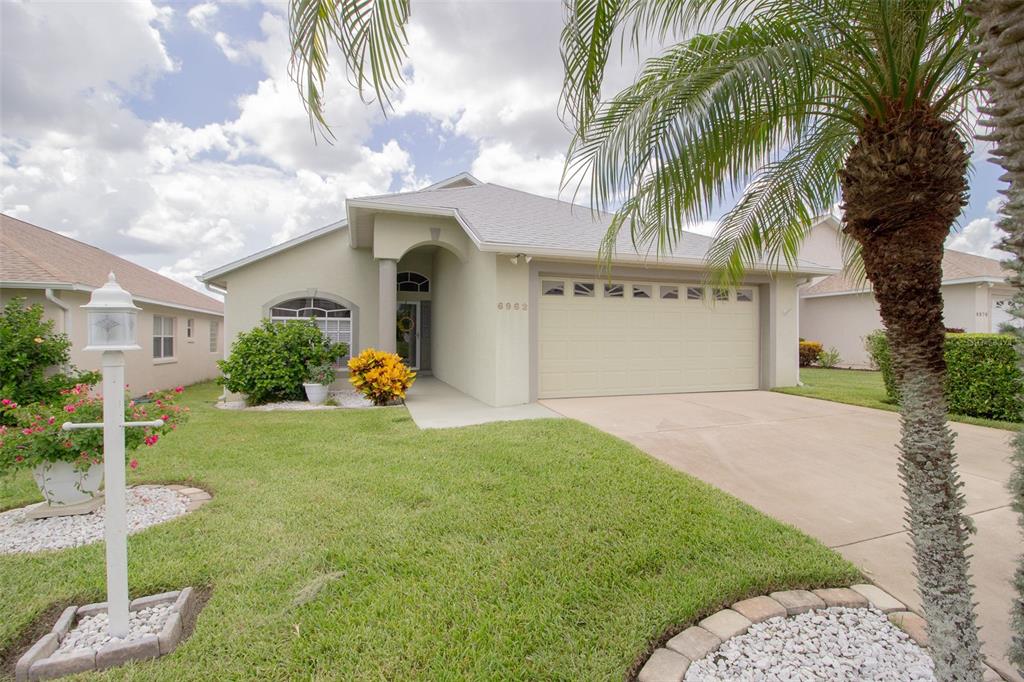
x=980, y=237
x=169, y=196
x=200, y=15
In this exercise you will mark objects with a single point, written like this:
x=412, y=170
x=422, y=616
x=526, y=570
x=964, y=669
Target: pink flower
x=134, y=464
x=152, y=439
x=27, y=432
x=69, y=408
x=179, y=389
x=51, y=420
x=164, y=417
x=5, y=401
x=19, y=458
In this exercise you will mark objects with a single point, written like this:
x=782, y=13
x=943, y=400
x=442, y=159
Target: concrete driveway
x=830, y=470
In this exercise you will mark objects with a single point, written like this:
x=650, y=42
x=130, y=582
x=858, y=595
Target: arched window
x=334, y=319
x=414, y=282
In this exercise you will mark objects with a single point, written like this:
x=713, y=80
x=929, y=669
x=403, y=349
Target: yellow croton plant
x=380, y=376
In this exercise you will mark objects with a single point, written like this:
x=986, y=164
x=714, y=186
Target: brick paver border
x=670, y=662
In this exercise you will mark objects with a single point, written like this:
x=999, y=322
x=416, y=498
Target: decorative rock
x=842, y=596
x=46, y=645
x=193, y=506
x=61, y=664
x=725, y=624
x=912, y=624
x=91, y=609
x=153, y=599
x=664, y=666
x=759, y=609
x=117, y=653
x=831, y=644
x=191, y=491
x=798, y=601
x=147, y=505
x=185, y=603
x=694, y=642
x=880, y=599
x=63, y=624
x=170, y=635
x=200, y=496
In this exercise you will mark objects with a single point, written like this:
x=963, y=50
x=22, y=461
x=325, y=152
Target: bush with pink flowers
x=33, y=434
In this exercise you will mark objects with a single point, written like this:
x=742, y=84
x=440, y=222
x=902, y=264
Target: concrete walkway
x=830, y=470
x=433, y=404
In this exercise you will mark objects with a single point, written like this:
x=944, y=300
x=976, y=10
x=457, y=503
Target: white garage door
x=626, y=337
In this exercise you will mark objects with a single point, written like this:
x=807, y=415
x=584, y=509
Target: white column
x=116, y=524
x=387, y=300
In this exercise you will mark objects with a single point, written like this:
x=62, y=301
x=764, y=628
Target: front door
x=407, y=330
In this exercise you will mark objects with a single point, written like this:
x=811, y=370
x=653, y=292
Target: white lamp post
x=111, y=320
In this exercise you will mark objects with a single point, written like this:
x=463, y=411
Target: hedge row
x=983, y=379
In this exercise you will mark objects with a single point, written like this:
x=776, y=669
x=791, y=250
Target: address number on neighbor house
x=507, y=305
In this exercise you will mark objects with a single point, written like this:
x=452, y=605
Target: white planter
x=316, y=394
x=63, y=485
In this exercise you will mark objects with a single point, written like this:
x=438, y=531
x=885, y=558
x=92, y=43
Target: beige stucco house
x=180, y=330
x=839, y=311
x=497, y=292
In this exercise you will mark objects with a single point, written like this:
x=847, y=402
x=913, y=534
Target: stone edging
x=41, y=662
x=670, y=662
x=197, y=497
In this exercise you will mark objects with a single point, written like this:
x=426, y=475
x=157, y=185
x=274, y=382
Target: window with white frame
x=669, y=292
x=190, y=325
x=585, y=289
x=694, y=293
x=214, y=333
x=333, y=318
x=641, y=291
x=551, y=287
x=744, y=295
x=163, y=337
x=413, y=282
x=720, y=294
x=613, y=290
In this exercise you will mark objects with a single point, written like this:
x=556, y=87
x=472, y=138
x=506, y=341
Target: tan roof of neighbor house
x=956, y=265
x=34, y=255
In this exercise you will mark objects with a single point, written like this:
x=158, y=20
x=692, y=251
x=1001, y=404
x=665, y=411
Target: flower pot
x=64, y=485
x=316, y=394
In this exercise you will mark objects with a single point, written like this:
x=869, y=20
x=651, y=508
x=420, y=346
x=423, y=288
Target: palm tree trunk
x=1000, y=32
x=904, y=183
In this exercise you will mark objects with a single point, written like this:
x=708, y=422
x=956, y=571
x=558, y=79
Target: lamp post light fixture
x=111, y=315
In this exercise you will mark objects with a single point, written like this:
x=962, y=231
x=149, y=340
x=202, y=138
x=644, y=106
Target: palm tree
x=794, y=104
x=1000, y=31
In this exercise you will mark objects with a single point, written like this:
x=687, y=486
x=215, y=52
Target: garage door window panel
x=614, y=291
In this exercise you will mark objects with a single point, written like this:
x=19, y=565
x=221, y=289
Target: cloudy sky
x=170, y=133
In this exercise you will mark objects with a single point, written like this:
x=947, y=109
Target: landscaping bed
x=349, y=544
x=867, y=389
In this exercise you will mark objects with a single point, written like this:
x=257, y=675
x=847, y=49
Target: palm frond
x=371, y=37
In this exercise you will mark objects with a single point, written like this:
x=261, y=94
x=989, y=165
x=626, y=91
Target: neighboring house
x=498, y=293
x=179, y=329
x=839, y=311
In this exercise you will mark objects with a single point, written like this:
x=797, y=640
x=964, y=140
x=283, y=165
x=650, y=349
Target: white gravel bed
x=831, y=644
x=147, y=505
x=91, y=633
x=343, y=400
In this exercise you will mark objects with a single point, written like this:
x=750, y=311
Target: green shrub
x=270, y=362
x=810, y=351
x=829, y=358
x=30, y=352
x=983, y=379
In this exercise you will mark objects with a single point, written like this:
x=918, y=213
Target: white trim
x=463, y=176
x=72, y=286
x=259, y=255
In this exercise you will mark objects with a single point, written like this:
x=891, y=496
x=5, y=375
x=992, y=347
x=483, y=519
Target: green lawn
x=861, y=387
x=350, y=545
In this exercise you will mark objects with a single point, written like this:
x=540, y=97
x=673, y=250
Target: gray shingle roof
x=502, y=215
